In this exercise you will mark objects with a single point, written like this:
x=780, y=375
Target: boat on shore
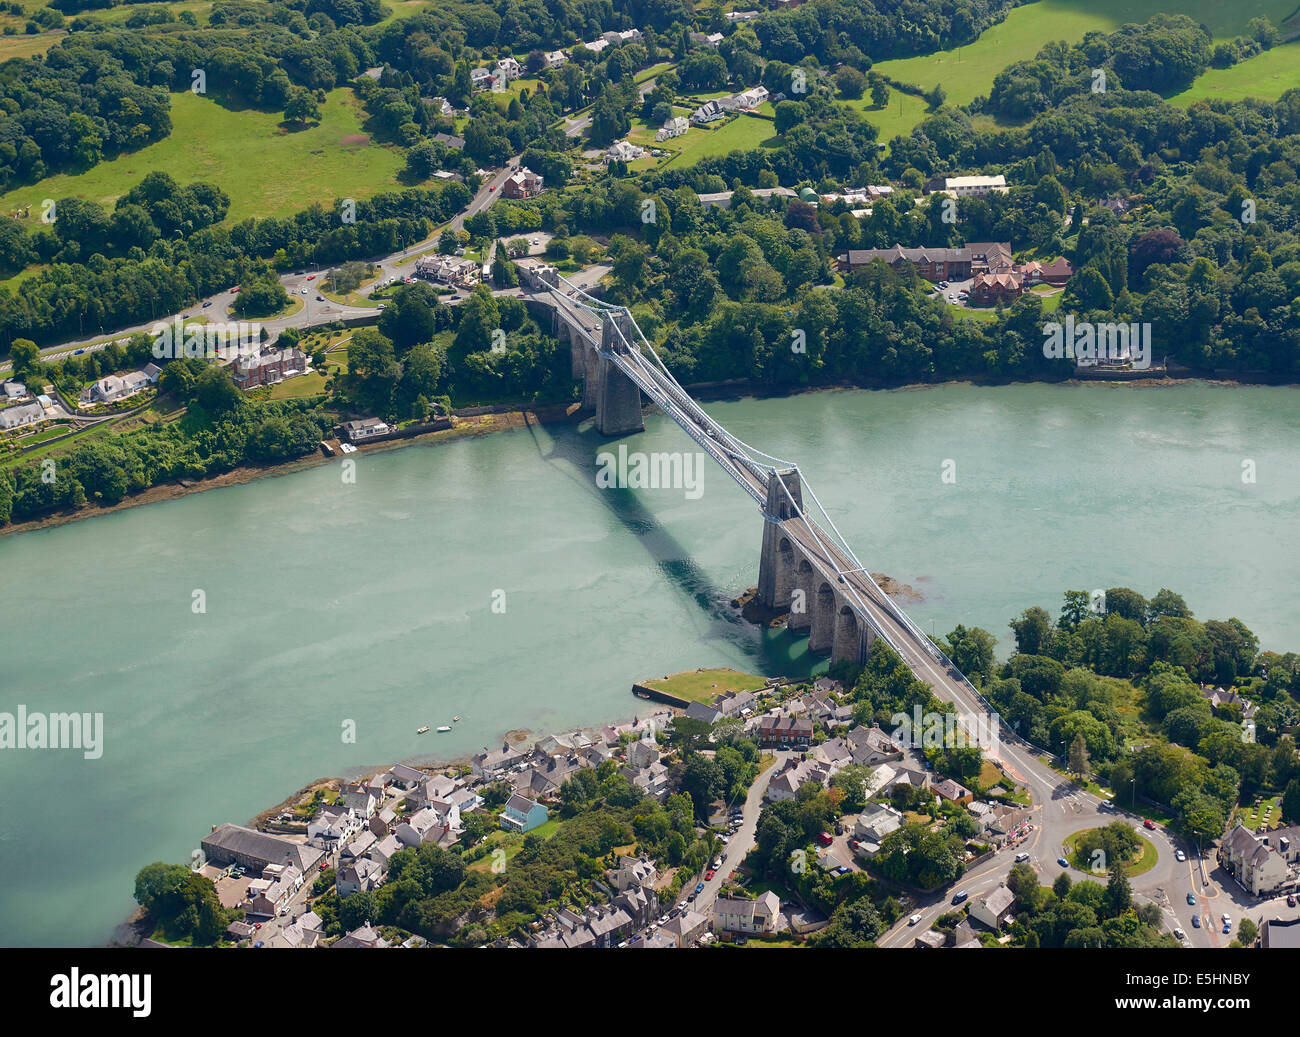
x=422, y=730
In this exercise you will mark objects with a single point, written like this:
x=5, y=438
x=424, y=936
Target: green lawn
x=265, y=169
x=967, y=72
x=743, y=132
x=1143, y=863
x=706, y=685
x=1268, y=75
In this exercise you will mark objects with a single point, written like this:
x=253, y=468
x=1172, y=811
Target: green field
x=265, y=169
x=1268, y=75
x=968, y=72
x=706, y=685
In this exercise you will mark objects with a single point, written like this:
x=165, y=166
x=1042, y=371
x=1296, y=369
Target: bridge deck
x=752, y=470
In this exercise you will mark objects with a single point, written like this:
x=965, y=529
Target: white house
x=623, y=151
x=510, y=68
x=480, y=78
x=674, y=127
x=994, y=909
x=23, y=414
x=747, y=916
x=556, y=58
x=709, y=111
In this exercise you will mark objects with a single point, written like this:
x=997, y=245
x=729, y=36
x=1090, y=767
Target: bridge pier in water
x=616, y=396
x=777, y=564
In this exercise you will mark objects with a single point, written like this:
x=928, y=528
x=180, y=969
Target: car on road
x=207, y=304
x=1180, y=934
x=1290, y=900
x=1196, y=921
x=304, y=289
x=1227, y=927
x=311, y=277
x=1227, y=918
x=1021, y=858
x=1148, y=823
x=1062, y=862
x=257, y=925
x=699, y=887
x=78, y=352
x=717, y=862
x=492, y=187
x=709, y=874
x=1180, y=855
x=913, y=920
x=959, y=896
x=1191, y=898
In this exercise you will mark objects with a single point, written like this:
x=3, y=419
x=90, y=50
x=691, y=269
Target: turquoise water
x=372, y=603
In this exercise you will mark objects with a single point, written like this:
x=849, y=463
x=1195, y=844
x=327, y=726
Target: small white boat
x=422, y=730
x=444, y=728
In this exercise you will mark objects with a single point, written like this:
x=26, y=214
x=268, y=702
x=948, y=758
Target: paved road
x=314, y=311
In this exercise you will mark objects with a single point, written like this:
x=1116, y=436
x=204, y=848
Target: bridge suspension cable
x=751, y=468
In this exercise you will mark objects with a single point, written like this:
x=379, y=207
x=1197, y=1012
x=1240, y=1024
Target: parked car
x=1180, y=934
x=1196, y=921
x=825, y=838
x=1021, y=858
x=1148, y=823
x=959, y=896
x=1227, y=927
x=1290, y=900
x=207, y=304
x=1191, y=898
x=1180, y=855
x=709, y=874
x=1227, y=918
x=843, y=869
x=913, y=920
x=717, y=862
x=699, y=887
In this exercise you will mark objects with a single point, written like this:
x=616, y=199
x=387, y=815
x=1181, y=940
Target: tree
x=1291, y=802
x=25, y=356
x=301, y=107
x=879, y=91
x=850, y=82
x=1033, y=630
x=1119, y=896
x=1079, y=757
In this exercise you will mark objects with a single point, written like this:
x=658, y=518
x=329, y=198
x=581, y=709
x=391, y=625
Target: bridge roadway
x=1061, y=807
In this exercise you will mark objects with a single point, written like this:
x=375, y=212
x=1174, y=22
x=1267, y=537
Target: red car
x=311, y=277
x=1148, y=823
x=708, y=875
x=825, y=838
x=257, y=925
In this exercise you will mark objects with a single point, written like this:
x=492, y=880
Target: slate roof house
x=234, y=844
